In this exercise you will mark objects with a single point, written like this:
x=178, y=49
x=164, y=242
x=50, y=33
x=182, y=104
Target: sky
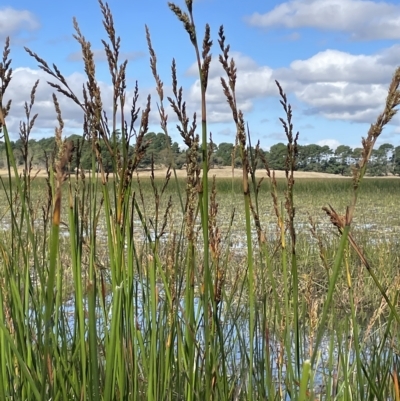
x=333, y=58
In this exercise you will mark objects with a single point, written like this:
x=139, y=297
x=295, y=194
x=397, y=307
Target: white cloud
x=253, y=81
x=343, y=100
x=333, y=84
x=13, y=21
x=334, y=65
x=339, y=85
x=332, y=143
x=361, y=19
x=19, y=91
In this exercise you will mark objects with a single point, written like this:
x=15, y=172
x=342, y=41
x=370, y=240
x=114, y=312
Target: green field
x=148, y=277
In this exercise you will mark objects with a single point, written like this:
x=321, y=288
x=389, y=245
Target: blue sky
x=334, y=59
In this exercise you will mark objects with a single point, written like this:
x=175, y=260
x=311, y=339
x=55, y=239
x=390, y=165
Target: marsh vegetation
x=123, y=287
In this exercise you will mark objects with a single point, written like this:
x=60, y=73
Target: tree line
x=385, y=159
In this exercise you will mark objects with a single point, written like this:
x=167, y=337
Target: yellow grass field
x=223, y=172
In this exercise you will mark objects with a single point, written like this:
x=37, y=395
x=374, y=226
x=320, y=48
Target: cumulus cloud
x=332, y=143
x=333, y=84
x=253, y=81
x=335, y=65
x=14, y=21
x=19, y=91
x=339, y=85
x=360, y=19
x=343, y=100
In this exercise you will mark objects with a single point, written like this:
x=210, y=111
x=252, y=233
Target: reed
x=119, y=286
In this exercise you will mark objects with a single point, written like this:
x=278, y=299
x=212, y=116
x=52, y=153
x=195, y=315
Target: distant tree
x=175, y=148
x=277, y=156
x=17, y=150
x=224, y=152
x=326, y=152
x=312, y=157
x=396, y=160
x=356, y=155
x=160, y=149
x=385, y=152
x=238, y=162
x=3, y=155
x=180, y=160
x=343, y=154
x=219, y=161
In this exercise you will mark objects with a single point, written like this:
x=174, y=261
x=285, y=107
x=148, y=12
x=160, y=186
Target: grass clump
x=115, y=286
